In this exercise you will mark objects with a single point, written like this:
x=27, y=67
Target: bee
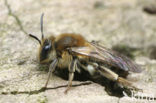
x=72, y=51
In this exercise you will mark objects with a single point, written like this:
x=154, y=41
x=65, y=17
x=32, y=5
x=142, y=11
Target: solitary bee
x=72, y=51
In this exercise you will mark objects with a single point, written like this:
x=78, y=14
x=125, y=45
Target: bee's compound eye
x=47, y=47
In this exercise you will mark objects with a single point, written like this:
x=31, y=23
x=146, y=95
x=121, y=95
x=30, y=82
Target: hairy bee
x=73, y=51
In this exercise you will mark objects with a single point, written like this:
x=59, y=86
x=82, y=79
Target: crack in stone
x=42, y=89
x=15, y=17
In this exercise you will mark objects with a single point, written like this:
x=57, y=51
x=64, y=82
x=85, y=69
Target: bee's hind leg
x=128, y=84
x=115, y=77
x=72, y=68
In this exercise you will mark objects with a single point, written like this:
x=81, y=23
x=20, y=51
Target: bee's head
x=47, y=50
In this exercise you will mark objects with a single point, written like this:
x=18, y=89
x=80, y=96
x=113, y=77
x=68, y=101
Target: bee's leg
x=115, y=77
x=51, y=70
x=71, y=68
x=128, y=84
x=107, y=73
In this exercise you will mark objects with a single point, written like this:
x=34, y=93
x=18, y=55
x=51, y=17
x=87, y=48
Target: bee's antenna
x=42, y=25
x=35, y=38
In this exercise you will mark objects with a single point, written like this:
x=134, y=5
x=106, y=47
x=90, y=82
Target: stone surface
x=121, y=23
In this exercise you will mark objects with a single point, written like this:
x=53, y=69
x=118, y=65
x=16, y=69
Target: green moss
x=42, y=100
x=99, y=5
x=43, y=67
x=3, y=29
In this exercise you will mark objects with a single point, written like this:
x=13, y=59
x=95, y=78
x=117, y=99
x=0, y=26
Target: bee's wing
x=109, y=57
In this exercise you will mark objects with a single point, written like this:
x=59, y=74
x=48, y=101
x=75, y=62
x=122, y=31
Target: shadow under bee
x=111, y=87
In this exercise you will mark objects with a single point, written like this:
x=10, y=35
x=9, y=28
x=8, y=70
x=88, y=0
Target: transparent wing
x=107, y=56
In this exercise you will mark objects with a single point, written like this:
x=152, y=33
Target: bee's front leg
x=51, y=70
x=71, y=68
